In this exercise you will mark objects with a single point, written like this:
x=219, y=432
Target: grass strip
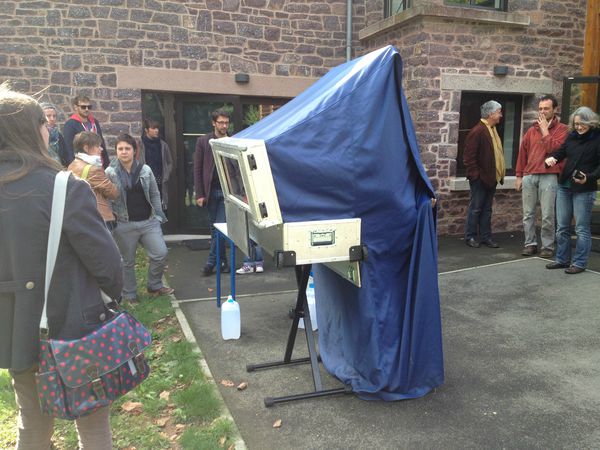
x=178, y=407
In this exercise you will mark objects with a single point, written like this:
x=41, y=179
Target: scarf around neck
x=498, y=152
x=94, y=160
x=129, y=179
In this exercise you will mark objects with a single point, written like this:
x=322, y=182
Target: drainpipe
x=348, y=30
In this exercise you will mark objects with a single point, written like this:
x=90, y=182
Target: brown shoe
x=530, y=250
x=574, y=269
x=546, y=253
x=162, y=291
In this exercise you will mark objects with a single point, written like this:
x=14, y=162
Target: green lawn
x=180, y=408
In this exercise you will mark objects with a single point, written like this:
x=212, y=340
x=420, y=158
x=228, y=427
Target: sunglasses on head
x=85, y=106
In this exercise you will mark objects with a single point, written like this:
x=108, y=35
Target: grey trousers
x=149, y=234
x=540, y=188
x=36, y=429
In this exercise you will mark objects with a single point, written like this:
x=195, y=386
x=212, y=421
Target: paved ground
x=521, y=351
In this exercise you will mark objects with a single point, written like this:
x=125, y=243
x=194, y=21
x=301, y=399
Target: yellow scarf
x=498, y=152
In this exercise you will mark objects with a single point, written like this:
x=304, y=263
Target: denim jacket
x=119, y=205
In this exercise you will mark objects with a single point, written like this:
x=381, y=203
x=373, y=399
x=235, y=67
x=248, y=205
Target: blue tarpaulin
x=346, y=148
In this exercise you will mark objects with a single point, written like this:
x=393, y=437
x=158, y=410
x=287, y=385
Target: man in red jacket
x=538, y=182
x=484, y=160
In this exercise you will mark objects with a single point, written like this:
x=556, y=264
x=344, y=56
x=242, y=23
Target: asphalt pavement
x=521, y=352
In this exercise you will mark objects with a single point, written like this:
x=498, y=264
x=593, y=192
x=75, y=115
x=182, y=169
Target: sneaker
x=259, y=268
x=162, y=291
x=225, y=267
x=245, y=269
x=208, y=270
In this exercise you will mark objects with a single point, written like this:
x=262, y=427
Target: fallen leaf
x=161, y=320
x=176, y=339
x=180, y=427
x=227, y=383
x=129, y=448
x=161, y=421
x=173, y=437
x=164, y=395
x=210, y=289
x=277, y=423
x=132, y=407
x=231, y=447
x=222, y=440
x=243, y=385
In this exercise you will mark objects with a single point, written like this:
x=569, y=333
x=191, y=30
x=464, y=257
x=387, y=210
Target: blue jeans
x=149, y=234
x=216, y=214
x=479, y=215
x=579, y=205
x=257, y=257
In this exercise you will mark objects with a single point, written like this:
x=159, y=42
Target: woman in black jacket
x=88, y=260
x=578, y=183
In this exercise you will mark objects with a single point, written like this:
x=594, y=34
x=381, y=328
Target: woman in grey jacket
x=139, y=215
x=87, y=260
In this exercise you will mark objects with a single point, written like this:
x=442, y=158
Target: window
x=500, y=5
x=393, y=7
x=509, y=128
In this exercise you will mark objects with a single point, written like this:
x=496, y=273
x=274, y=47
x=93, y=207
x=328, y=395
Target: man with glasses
x=208, y=188
x=82, y=120
x=539, y=182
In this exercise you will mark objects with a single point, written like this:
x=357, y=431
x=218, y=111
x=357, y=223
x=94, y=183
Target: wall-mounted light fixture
x=242, y=78
x=500, y=71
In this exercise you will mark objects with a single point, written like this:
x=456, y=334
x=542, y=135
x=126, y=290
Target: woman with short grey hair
x=578, y=183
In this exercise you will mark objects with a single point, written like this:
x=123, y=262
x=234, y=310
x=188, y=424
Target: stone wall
x=451, y=40
x=63, y=48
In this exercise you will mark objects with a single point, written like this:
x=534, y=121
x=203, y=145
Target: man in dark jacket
x=82, y=120
x=208, y=187
x=484, y=160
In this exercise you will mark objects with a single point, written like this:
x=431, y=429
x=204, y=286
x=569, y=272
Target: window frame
x=503, y=5
x=469, y=98
x=389, y=4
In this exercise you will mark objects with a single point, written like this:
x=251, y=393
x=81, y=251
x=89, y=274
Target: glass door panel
x=196, y=122
x=579, y=91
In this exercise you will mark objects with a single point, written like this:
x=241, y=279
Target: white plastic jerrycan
x=312, y=304
x=230, y=319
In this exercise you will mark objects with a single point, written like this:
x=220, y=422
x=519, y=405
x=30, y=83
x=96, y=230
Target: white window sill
x=458, y=184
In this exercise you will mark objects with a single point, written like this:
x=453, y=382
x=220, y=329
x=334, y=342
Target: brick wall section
x=551, y=47
x=65, y=48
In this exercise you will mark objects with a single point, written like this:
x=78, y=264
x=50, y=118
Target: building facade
x=175, y=60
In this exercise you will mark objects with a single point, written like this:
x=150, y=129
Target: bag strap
x=59, y=196
x=85, y=172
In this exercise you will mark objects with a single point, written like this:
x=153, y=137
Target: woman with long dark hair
x=577, y=188
x=88, y=260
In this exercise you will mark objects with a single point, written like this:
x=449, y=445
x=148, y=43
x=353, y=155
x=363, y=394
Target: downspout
x=348, y=30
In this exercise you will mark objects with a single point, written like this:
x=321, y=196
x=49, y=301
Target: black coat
x=87, y=259
x=582, y=153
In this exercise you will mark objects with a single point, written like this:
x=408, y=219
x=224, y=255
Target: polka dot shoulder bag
x=76, y=377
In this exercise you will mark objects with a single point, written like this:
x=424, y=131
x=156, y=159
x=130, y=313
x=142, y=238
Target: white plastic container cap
x=230, y=319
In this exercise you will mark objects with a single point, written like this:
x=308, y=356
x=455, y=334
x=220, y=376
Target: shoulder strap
x=56, y=219
x=85, y=172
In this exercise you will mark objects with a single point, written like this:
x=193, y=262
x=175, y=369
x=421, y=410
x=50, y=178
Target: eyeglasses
x=222, y=122
x=580, y=124
x=85, y=106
